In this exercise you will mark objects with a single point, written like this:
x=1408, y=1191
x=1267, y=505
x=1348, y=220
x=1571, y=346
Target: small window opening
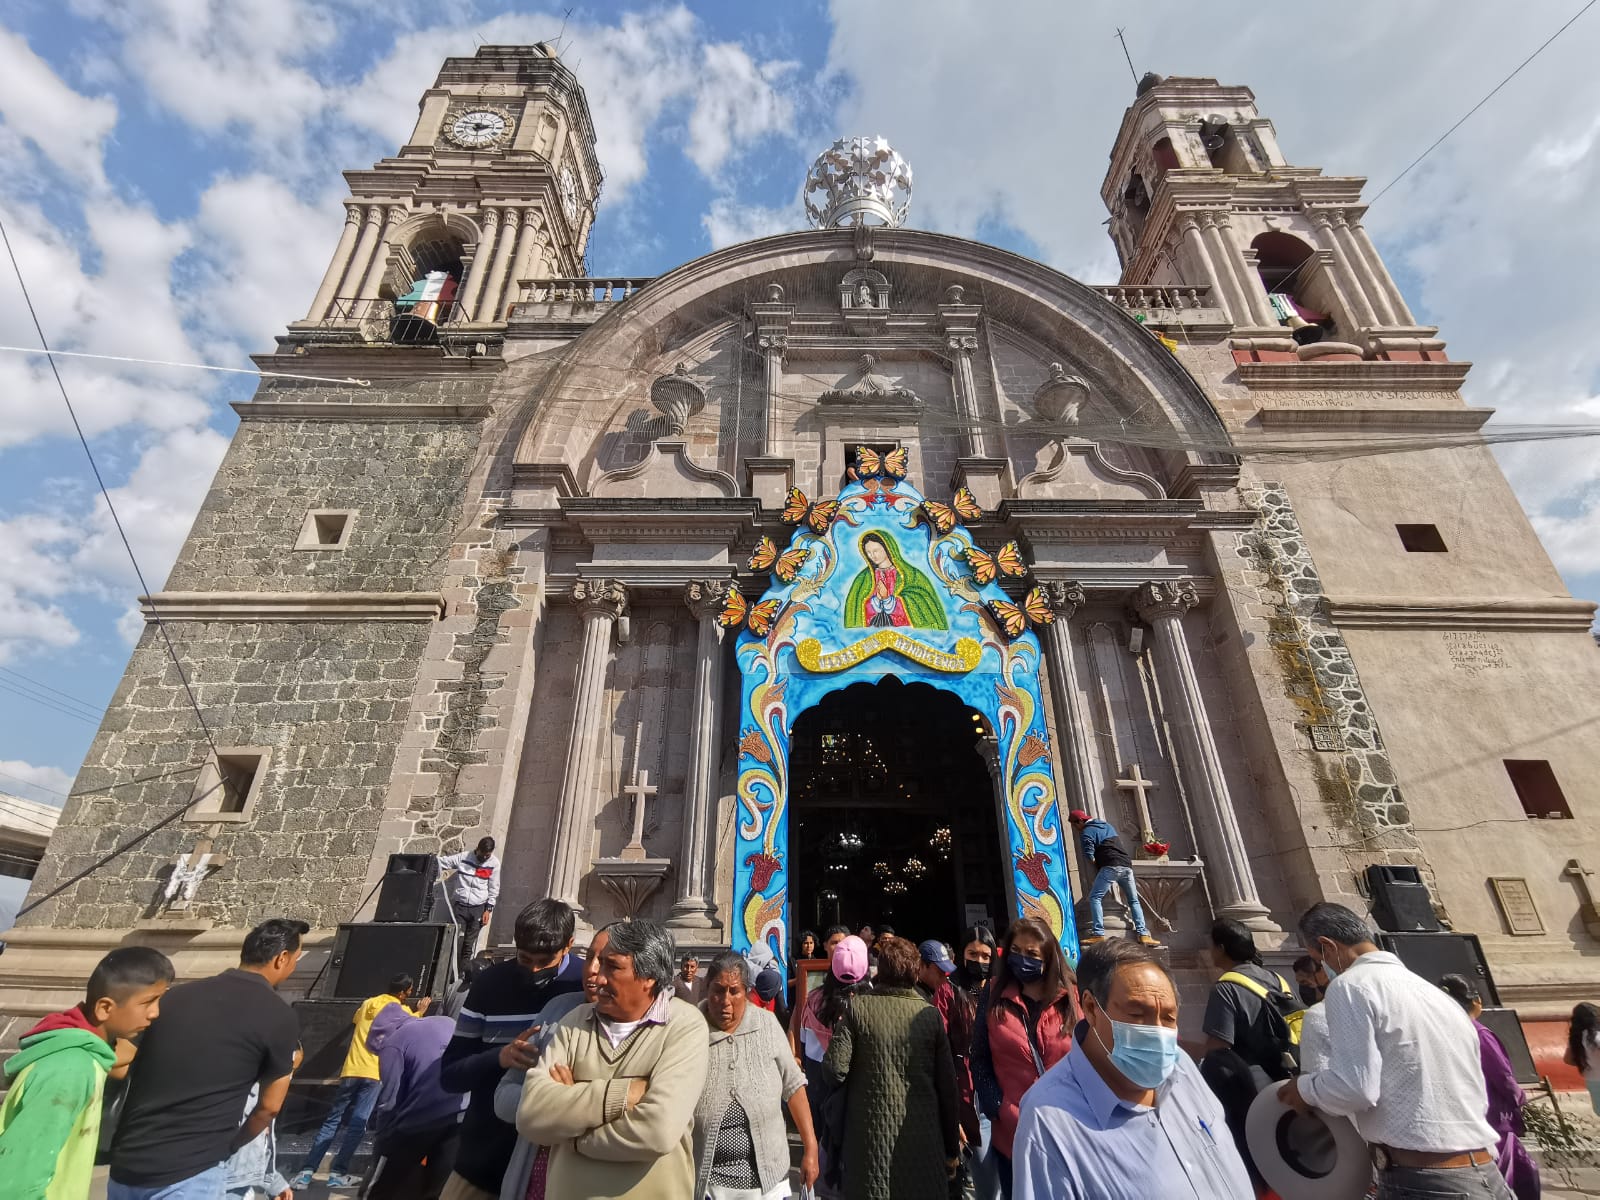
x=326, y=529
x=1537, y=788
x=1421, y=539
x=228, y=785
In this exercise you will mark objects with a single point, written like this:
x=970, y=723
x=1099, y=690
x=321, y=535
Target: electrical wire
x=37, y=786
x=57, y=691
x=163, y=362
x=105, y=493
x=119, y=851
x=46, y=702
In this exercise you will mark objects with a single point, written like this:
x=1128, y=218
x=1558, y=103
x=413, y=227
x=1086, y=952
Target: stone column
x=495, y=280
x=1075, y=756
x=773, y=344
x=962, y=347
x=693, y=908
x=341, y=261
x=525, y=243
x=380, y=258
x=1380, y=273
x=1357, y=265
x=1188, y=224
x=1234, y=300
x=601, y=602
x=481, y=258
x=366, y=248
x=1233, y=886
x=1361, y=310
x=1258, y=310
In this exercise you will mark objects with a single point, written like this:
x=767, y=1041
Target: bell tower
x=498, y=183
x=1200, y=193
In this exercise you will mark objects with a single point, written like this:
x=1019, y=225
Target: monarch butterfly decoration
x=1014, y=619
x=737, y=611
x=870, y=463
x=1005, y=561
x=785, y=566
x=819, y=515
x=944, y=517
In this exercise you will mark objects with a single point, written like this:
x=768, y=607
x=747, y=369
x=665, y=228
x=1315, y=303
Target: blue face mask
x=1025, y=970
x=1145, y=1054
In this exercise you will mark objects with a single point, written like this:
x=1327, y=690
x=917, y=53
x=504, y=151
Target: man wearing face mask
x=1403, y=1065
x=496, y=1031
x=1126, y=1116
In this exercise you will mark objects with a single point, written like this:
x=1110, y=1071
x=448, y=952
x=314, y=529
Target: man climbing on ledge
x=1113, y=866
x=473, y=891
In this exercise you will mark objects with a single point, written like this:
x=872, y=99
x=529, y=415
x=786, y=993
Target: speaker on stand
x=407, y=892
x=1400, y=900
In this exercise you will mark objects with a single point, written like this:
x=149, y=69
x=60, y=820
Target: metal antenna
x=1128, y=56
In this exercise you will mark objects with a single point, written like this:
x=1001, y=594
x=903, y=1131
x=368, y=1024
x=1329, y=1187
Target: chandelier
x=941, y=842
x=895, y=887
x=914, y=868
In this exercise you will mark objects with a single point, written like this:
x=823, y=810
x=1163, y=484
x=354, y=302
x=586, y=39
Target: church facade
x=818, y=578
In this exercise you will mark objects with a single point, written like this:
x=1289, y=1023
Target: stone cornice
x=1548, y=613
x=293, y=606
x=1355, y=376
x=1407, y=420
x=339, y=356
x=334, y=410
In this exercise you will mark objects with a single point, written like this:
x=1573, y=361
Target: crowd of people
x=904, y=1070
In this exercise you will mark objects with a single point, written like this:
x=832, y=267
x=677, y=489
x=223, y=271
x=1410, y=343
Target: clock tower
x=498, y=183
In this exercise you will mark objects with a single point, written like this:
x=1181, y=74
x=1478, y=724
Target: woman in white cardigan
x=741, y=1149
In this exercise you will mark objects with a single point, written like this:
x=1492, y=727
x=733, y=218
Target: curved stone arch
x=1055, y=309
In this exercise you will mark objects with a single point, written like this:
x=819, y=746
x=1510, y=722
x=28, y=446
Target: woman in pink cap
x=824, y=1008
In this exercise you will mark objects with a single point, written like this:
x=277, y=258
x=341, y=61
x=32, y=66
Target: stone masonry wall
x=1356, y=779
x=329, y=698
x=404, y=479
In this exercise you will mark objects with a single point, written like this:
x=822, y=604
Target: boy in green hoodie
x=50, y=1121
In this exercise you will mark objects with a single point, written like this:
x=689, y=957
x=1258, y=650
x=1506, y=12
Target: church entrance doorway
x=893, y=819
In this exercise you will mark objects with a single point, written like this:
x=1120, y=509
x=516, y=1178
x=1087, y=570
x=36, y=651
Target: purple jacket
x=410, y=1095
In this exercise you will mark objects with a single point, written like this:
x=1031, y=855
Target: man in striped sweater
x=494, y=1033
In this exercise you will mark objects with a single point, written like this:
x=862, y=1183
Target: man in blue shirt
x=1126, y=1115
x=1113, y=867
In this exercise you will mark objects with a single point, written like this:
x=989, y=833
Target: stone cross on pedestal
x=1140, y=786
x=639, y=791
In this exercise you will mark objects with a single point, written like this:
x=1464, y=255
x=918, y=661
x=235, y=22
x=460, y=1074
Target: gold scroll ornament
x=966, y=655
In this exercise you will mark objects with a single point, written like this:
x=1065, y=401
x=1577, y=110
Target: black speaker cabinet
x=1400, y=902
x=406, y=893
x=325, y=1030
x=1435, y=955
x=1503, y=1023
x=366, y=957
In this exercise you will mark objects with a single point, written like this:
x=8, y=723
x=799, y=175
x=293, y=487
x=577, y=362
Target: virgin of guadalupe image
x=889, y=591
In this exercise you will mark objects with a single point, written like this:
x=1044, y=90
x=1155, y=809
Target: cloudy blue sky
x=173, y=192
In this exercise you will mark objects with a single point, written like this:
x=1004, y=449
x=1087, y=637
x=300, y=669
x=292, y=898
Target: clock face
x=480, y=127
x=569, y=193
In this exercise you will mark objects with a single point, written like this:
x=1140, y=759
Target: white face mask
x=1328, y=969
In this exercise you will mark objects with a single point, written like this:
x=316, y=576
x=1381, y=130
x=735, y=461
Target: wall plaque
x=1516, y=905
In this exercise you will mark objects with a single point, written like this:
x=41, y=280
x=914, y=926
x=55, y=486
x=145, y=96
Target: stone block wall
x=330, y=699
x=404, y=479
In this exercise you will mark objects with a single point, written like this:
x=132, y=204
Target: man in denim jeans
x=1113, y=866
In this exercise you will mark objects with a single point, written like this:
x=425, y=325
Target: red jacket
x=1004, y=1062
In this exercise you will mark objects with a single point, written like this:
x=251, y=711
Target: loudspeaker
x=1503, y=1023
x=325, y=1030
x=366, y=957
x=406, y=893
x=1400, y=900
x=1435, y=955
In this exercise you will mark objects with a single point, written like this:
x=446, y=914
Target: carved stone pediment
x=871, y=389
x=667, y=470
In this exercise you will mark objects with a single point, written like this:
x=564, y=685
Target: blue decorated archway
x=881, y=582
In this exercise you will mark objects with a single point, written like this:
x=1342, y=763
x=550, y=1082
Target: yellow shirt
x=362, y=1063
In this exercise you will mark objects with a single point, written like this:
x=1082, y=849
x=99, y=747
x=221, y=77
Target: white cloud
x=242, y=63
x=33, y=574
x=736, y=103
x=1013, y=121
x=67, y=128
x=45, y=784
x=728, y=222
